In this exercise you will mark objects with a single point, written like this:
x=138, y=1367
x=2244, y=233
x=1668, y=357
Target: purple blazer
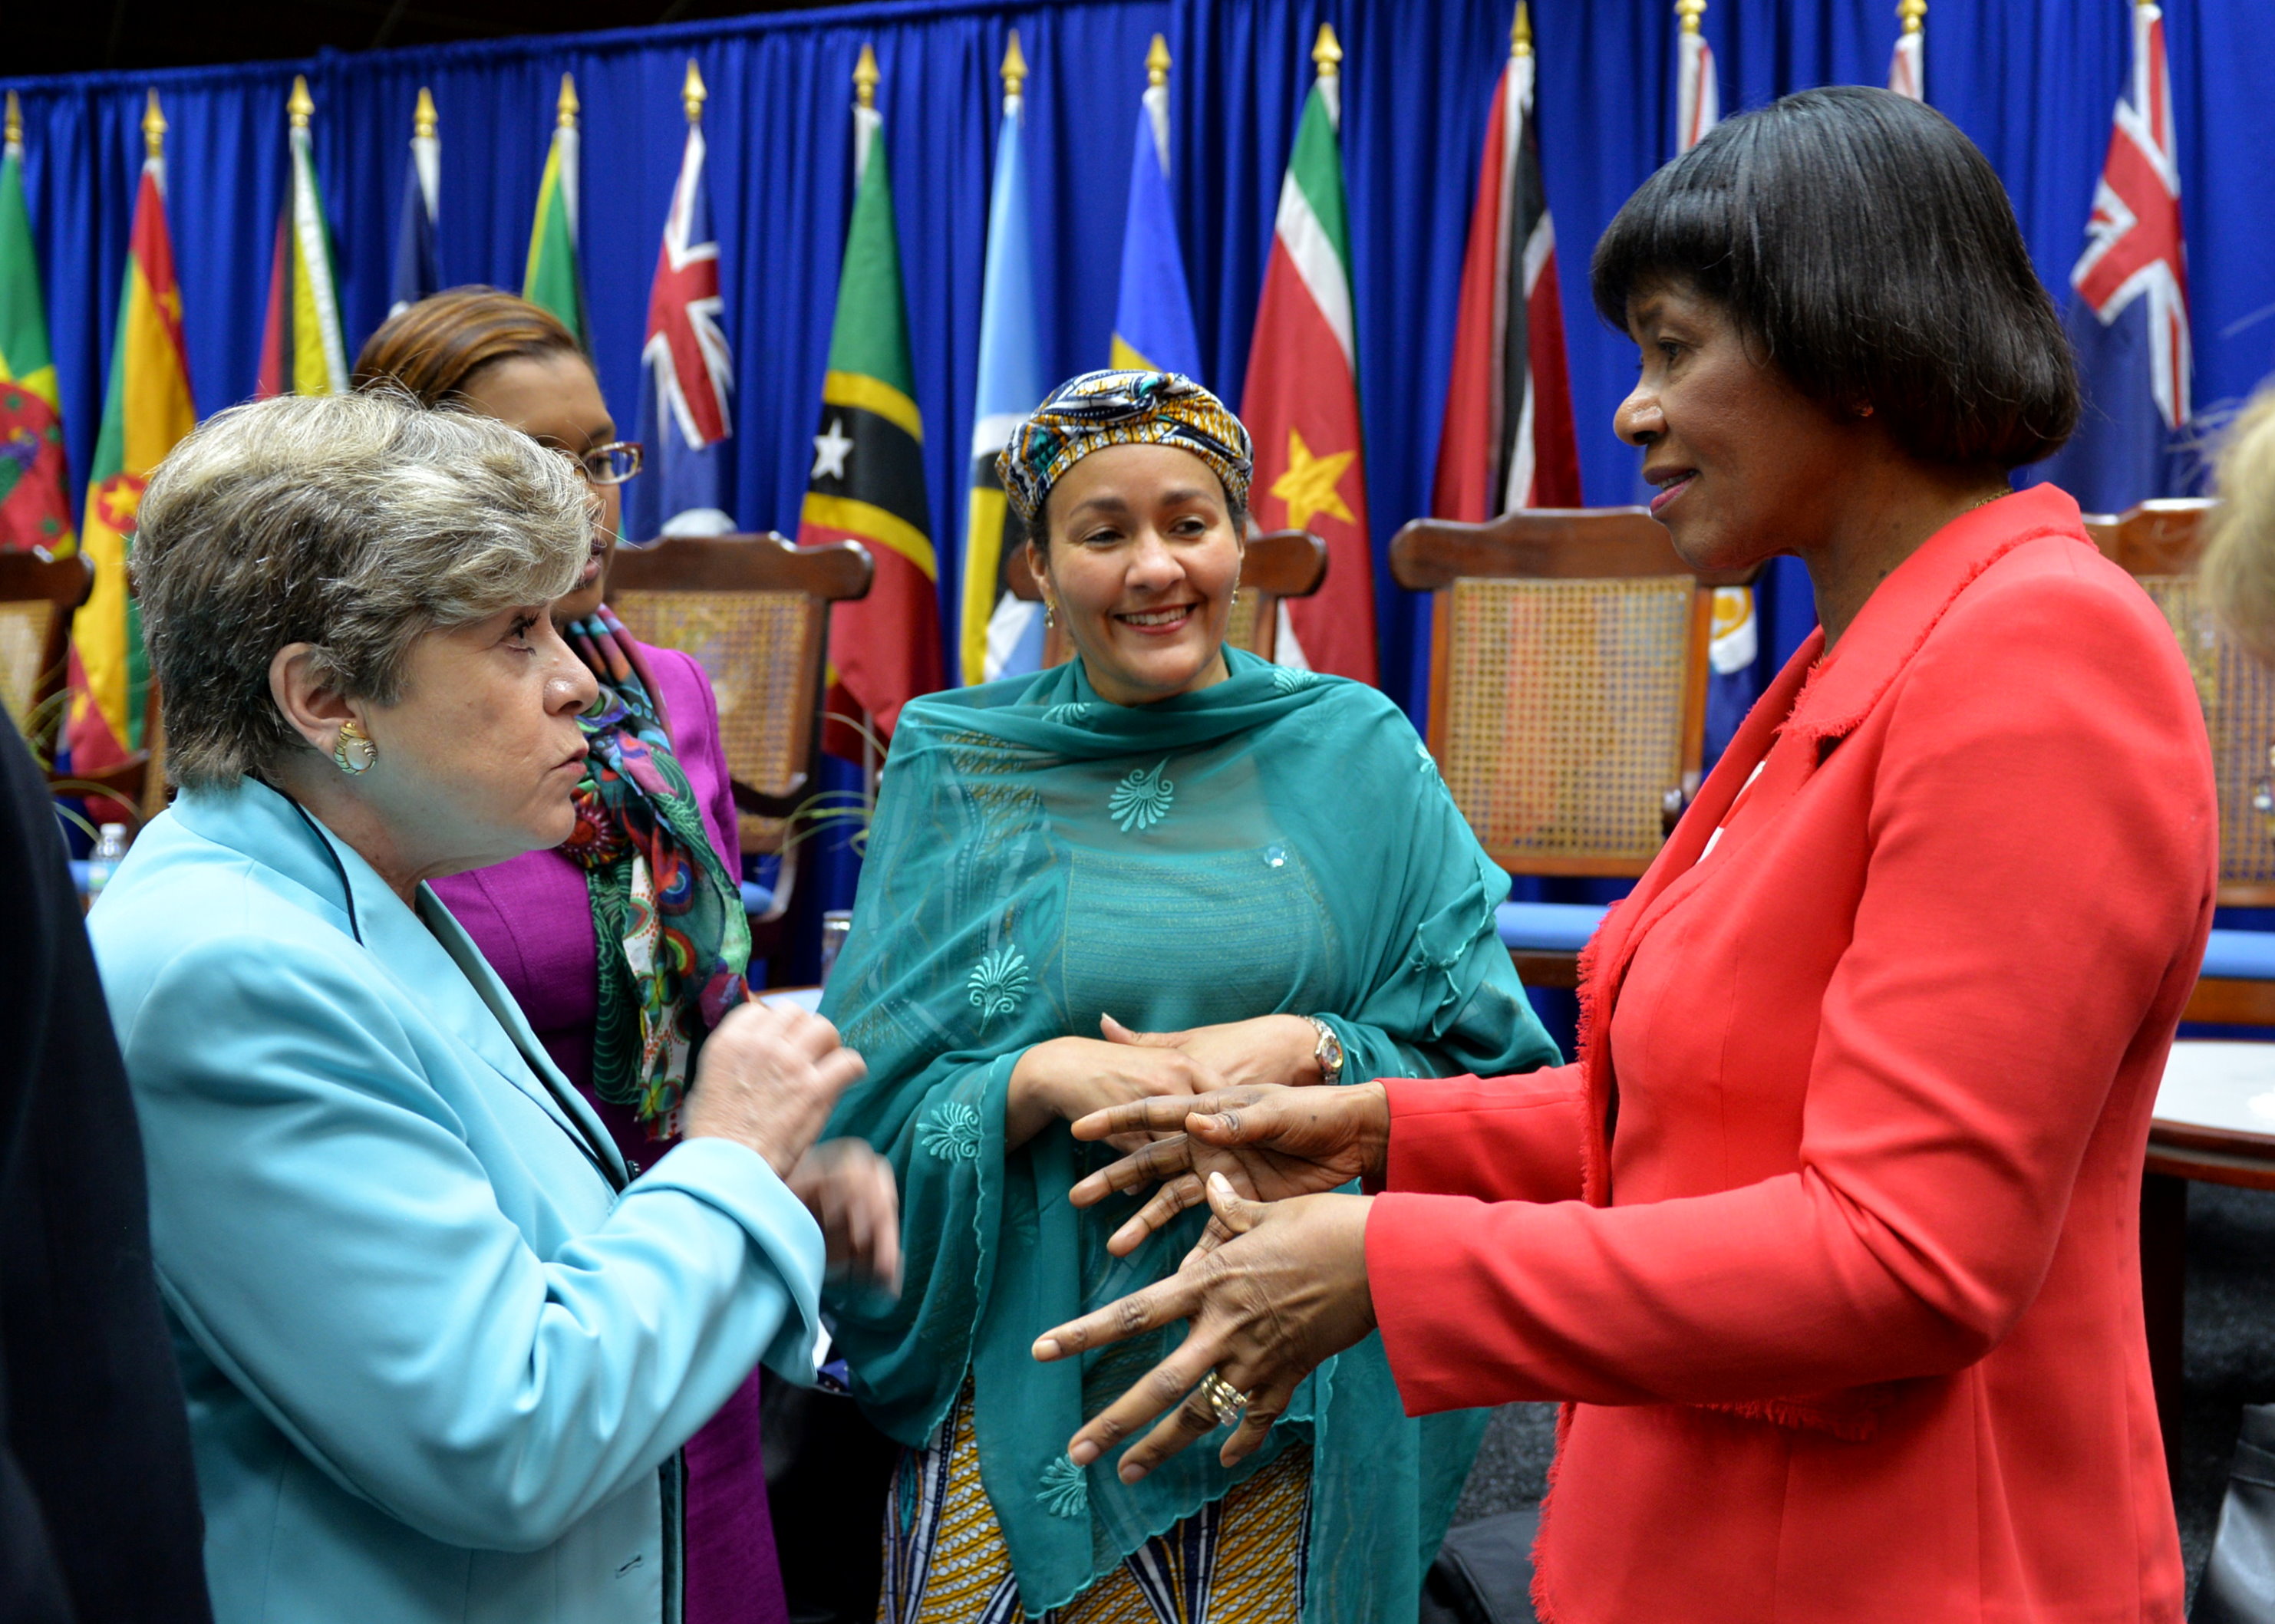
x=532, y=919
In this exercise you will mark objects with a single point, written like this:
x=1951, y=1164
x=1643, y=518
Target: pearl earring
x=354, y=752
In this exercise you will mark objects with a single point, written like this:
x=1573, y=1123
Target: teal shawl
x=1277, y=842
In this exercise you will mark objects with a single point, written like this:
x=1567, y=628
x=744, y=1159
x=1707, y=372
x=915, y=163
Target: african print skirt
x=1237, y=1560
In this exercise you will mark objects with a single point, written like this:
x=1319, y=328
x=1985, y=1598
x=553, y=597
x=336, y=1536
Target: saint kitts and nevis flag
x=1508, y=441
x=549, y=280
x=686, y=367
x=34, y=495
x=302, y=351
x=1301, y=403
x=867, y=481
x=146, y=408
x=999, y=635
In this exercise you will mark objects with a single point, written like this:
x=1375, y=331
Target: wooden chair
x=755, y=611
x=1279, y=563
x=38, y=597
x=1567, y=698
x=2158, y=542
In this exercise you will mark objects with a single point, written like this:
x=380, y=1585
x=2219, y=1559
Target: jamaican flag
x=867, y=483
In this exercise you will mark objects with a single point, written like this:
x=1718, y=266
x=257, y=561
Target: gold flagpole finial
x=691, y=93
x=154, y=128
x=564, y=110
x=424, y=120
x=1157, y=62
x=1690, y=12
x=1326, y=55
x=1014, y=66
x=1520, y=31
x=1913, y=12
x=866, y=76
x=298, y=105
x=15, y=122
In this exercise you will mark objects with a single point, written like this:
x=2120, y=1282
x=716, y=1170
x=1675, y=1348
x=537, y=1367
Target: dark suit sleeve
x=96, y=1487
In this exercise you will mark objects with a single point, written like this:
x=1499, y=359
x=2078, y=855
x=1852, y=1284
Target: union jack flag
x=2133, y=239
x=686, y=370
x=2129, y=320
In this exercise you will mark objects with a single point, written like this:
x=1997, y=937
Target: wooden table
x=2215, y=1122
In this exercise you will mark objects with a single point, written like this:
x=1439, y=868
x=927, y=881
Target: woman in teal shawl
x=1257, y=868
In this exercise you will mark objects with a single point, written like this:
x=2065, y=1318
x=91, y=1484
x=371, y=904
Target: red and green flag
x=1301, y=403
x=302, y=351
x=146, y=409
x=867, y=483
x=35, y=485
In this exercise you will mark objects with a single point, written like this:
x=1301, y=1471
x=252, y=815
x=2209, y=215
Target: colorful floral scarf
x=675, y=943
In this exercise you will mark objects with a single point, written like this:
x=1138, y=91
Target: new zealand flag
x=685, y=373
x=2129, y=320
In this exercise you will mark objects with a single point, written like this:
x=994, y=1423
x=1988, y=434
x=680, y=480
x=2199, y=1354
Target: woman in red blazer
x=1827, y=1241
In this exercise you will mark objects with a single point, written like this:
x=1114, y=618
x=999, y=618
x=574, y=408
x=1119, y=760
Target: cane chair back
x=754, y=612
x=1568, y=682
x=2158, y=542
x=38, y=596
x=1277, y=564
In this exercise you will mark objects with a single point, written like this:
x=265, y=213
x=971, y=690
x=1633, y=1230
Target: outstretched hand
x=1286, y=1290
x=1269, y=1144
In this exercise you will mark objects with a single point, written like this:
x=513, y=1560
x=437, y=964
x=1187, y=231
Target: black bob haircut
x=1867, y=247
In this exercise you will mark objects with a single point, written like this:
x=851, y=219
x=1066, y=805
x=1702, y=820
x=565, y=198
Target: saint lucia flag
x=1154, y=317
x=685, y=367
x=417, y=273
x=302, y=351
x=549, y=280
x=999, y=635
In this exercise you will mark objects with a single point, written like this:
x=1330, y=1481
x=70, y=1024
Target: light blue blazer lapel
x=444, y=929
x=431, y=959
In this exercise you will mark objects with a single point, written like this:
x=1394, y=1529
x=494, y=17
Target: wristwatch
x=1328, y=1052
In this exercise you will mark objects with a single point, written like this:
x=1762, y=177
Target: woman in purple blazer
x=625, y=945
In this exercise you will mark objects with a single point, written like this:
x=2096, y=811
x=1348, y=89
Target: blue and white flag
x=1154, y=327
x=2128, y=321
x=1000, y=635
x=417, y=273
x=686, y=368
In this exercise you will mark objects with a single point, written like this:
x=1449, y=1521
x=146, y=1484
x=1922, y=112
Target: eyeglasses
x=606, y=465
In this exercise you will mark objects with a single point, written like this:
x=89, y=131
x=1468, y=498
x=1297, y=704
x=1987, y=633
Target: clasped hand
x=1070, y=1077
x=1275, y=1285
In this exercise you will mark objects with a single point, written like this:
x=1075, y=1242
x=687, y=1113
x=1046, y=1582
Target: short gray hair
x=357, y=523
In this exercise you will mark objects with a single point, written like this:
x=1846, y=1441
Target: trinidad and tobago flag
x=686, y=367
x=2129, y=321
x=1508, y=441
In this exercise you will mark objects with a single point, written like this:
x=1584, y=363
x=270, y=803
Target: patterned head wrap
x=1100, y=409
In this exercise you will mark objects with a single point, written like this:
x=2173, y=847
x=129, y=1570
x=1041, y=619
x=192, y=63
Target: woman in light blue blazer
x=442, y=1345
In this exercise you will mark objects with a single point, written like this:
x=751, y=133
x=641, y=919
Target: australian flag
x=685, y=373
x=2129, y=320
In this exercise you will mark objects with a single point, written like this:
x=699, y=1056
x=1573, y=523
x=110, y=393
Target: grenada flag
x=147, y=409
x=34, y=505
x=1301, y=402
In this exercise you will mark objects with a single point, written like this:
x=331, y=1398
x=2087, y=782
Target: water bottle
x=102, y=862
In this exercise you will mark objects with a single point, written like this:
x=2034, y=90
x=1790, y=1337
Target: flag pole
x=693, y=95
x=424, y=123
x=153, y=130
x=15, y=118
x=1520, y=31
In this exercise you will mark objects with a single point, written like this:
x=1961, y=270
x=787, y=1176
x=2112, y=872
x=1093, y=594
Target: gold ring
x=1226, y=1402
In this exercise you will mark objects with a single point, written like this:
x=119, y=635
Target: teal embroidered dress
x=1279, y=842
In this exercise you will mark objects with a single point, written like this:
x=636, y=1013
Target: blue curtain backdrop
x=2033, y=85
